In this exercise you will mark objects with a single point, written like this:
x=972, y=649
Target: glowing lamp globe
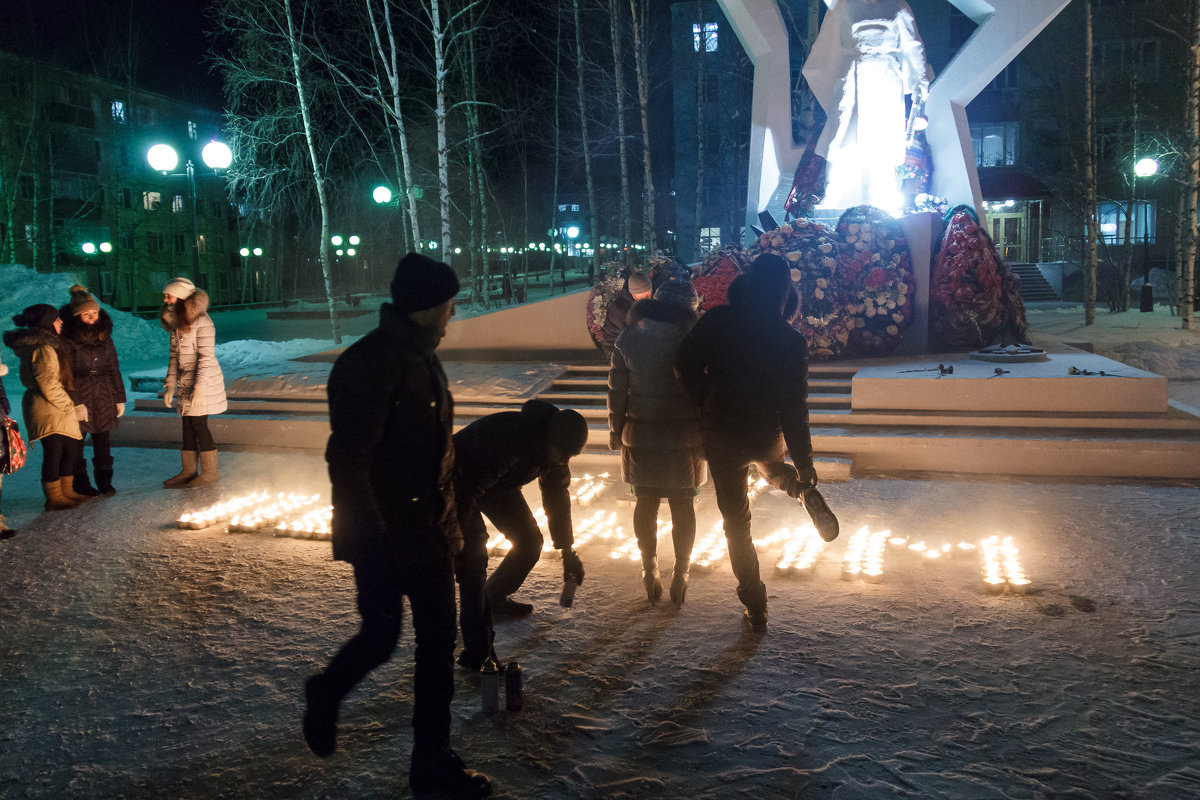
x=354, y=240
x=258, y=251
x=106, y=247
x=1145, y=167
x=381, y=195
x=162, y=157
x=89, y=248
x=217, y=155
x=573, y=232
x=245, y=251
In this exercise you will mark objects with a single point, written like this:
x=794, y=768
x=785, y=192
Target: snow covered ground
x=138, y=660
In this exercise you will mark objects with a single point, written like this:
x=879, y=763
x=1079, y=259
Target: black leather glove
x=572, y=566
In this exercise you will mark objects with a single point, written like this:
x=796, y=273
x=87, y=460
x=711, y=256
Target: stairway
x=1034, y=286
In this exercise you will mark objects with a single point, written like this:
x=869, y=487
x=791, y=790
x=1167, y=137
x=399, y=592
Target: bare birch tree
x=1090, y=275
x=639, y=14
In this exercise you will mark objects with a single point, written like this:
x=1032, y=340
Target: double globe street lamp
x=163, y=158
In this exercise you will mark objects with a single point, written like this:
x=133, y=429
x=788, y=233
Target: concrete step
x=595, y=399
x=1034, y=285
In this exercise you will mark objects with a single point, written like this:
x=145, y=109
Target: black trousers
x=512, y=516
x=101, y=453
x=59, y=456
x=382, y=583
x=470, y=569
x=729, y=460
x=196, y=435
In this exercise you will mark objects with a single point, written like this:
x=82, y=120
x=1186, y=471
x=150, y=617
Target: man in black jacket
x=638, y=286
x=391, y=462
x=495, y=456
x=746, y=368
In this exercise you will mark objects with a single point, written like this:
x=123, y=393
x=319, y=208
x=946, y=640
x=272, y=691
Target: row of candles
x=299, y=516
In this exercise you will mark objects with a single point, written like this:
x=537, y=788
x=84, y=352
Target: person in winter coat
x=391, y=464
x=194, y=385
x=98, y=385
x=746, y=368
x=657, y=429
x=5, y=531
x=637, y=287
x=495, y=456
x=51, y=416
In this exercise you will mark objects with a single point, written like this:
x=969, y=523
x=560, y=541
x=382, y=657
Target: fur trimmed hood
x=183, y=313
x=24, y=341
x=77, y=331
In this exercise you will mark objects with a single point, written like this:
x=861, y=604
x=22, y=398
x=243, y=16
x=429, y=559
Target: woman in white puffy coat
x=194, y=385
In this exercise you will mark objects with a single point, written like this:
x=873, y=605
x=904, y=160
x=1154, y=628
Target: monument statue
x=867, y=56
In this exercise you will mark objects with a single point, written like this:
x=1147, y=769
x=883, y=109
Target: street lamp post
x=1145, y=168
x=163, y=158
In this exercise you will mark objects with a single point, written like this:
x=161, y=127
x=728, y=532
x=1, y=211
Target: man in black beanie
x=391, y=463
x=494, y=457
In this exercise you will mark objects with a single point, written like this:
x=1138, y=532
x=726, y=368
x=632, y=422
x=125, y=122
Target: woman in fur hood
x=194, y=385
x=51, y=416
x=98, y=385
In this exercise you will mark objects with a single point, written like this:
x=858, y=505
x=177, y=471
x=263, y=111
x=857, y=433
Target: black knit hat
x=421, y=283
x=568, y=431
x=42, y=315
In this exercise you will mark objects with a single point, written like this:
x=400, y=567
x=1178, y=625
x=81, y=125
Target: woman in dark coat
x=657, y=429
x=98, y=385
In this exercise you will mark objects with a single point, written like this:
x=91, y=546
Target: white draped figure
x=866, y=58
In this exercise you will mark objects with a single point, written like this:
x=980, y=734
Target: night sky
x=90, y=36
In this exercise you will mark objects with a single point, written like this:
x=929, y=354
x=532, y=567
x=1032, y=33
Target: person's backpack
x=12, y=447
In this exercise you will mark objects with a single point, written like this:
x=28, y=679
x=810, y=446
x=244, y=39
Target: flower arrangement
x=716, y=273
x=876, y=279
x=965, y=287
x=609, y=283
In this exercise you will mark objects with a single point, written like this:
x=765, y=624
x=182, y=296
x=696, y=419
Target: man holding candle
x=495, y=456
x=391, y=463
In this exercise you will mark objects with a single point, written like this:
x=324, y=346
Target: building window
x=1143, y=226
x=201, y=244
x=127, y=241
x=151, y=200
x=710, y=239
x=177, y=204
x=704, y=33
x=30, y=232
x=107, y=283
x=191, y=130
x=1123, y=58
x=180, y=243
x=995, y=144
x=118, y=112
x=27, y=190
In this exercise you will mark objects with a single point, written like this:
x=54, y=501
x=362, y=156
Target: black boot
x=81, y=485
x=443, y=775
x=103, y=470
x=320, y=717
x=5, y=531
x=755, y=600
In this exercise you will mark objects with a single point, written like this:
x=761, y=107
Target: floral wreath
x=876, y=278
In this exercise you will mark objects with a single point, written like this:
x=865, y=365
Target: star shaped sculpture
x=1004, y=29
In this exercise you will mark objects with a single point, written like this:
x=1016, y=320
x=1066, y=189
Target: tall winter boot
x=5, y=531
x=186, y=472
x=103, y=469
x=651, y=579
x=68, y=490
x=679, y=581
x=54, y=497
x=208, y=470
x=82, y=486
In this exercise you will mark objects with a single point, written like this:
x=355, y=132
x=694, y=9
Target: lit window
x=706, y=33
x=151, y=200
x=118, y=112
x=177, y=204
x=1143, y=227
x=995, y=144
x=191, y=130
x=201, y=244
x=710, y=239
